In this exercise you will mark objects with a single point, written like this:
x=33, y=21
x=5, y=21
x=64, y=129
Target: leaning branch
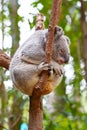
x=4, y=60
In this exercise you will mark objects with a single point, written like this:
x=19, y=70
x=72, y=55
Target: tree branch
x=4, y=60
x=56, y=9
x=39, y=22
x=55, y=14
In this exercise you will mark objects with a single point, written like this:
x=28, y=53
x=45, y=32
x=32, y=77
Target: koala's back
x=24, y=77
x=22, y=73
x=32, y=48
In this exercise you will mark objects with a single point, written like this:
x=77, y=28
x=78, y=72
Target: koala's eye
x=62, y=51
x=59, y=29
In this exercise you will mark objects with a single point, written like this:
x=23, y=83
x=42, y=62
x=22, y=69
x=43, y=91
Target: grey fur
x=26, y=65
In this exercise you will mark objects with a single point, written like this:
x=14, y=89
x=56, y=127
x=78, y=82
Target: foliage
x=70, y=112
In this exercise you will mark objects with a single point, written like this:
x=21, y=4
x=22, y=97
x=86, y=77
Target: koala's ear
x=68, y=40
x=58, y=30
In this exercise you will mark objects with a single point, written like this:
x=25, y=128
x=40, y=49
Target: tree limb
x=39, y=22
x=56, y=10
x=4, y=60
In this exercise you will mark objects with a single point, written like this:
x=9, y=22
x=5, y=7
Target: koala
x=29, y=61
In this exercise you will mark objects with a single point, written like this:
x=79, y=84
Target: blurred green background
x=66, y=107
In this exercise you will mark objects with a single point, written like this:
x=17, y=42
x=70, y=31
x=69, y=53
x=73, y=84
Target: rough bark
x=36, y=113
x=56, y=9
x=39, y=22
x=84, y=35
x=36, y=110
x=4, y=60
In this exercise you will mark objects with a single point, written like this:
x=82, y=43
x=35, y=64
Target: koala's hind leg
x=25, y=77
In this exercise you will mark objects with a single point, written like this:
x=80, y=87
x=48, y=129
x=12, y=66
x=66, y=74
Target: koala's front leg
x=58, y=70
x=55, y=75
x=52, y=70
x=44, y=66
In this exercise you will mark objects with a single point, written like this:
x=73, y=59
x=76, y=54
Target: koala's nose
x=67, y=59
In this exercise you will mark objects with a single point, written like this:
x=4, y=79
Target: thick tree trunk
x=36, y=113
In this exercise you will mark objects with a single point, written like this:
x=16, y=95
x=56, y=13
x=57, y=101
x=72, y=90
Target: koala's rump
x=25, y=78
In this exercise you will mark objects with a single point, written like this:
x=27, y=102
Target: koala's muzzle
x=63, y=60
x=66, y=59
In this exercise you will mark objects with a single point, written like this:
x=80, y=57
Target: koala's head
x=61, y=51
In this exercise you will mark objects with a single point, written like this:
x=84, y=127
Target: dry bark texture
x=4, y=60
x=39, y=22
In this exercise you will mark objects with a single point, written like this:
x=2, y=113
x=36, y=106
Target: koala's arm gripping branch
x=56, y=10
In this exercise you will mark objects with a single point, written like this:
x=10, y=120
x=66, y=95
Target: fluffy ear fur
x=68, y=40
x=59, y=31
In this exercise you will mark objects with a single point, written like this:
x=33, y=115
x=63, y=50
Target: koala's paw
x=45, y=66
x=58, y=71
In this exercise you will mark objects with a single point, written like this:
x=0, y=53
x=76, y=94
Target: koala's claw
x=58, y=71
x=45, y=66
